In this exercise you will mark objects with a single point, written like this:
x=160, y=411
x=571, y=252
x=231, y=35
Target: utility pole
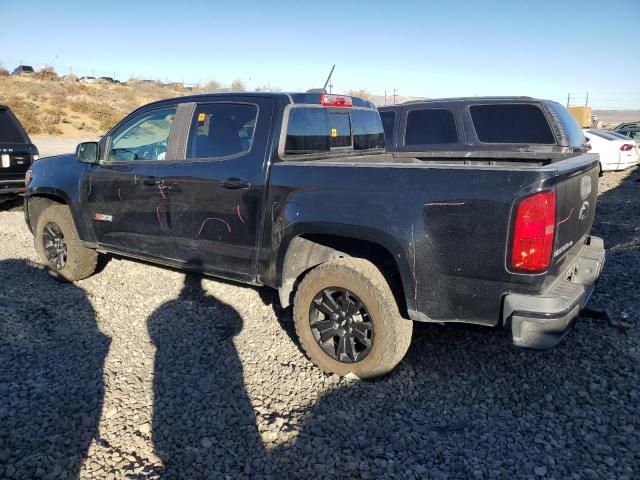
x=395, y=94
x=385, y=96
x=586, y=102
x=568, y=99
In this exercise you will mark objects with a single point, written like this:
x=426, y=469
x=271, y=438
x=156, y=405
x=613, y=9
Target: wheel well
x=308, y=251
x=38, y=204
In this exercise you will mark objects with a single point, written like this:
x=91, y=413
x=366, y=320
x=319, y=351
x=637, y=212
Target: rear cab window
x=511, y=123
x=430, y=126
x=312, y=130
x=10, y=131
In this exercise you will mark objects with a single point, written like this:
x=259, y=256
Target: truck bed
x=447, y=224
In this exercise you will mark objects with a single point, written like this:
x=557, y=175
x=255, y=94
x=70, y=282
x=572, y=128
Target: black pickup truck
x=16, y=154
x=296, y=192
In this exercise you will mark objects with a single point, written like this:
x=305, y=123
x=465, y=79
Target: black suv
x=16, y=154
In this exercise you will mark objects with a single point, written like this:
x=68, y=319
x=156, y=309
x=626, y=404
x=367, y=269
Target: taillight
x=626, y=147
x=533, y=232
x=335, y=101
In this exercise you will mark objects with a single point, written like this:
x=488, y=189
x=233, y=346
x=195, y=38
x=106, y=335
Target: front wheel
x=347, y=319
x=59, y=247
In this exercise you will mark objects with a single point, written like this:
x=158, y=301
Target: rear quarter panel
x=446, y=226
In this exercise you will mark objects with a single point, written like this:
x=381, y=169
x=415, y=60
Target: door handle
x=235, y=183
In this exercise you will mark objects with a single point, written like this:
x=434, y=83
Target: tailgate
x=14, y=165
x=576, y=186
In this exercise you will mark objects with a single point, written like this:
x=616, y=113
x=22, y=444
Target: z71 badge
x=101, y=217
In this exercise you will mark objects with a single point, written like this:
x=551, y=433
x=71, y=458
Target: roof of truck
x=292, y=97
x=504, y=99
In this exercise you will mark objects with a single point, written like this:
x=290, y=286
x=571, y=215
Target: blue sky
x=422, y=48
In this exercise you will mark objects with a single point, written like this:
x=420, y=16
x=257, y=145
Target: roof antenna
x=329, y=79
x=324, y=89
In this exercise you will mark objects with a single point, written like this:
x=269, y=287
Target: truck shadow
x=51, y=374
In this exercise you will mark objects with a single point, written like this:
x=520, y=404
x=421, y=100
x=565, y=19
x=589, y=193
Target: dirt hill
x=71, y=108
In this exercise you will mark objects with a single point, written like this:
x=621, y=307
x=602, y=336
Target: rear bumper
x=542, y=321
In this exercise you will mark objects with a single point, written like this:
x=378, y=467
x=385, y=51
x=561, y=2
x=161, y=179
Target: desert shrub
x=212, y=86
x=51, y=116
x=361, y=92
x=27, y=113
x=238, y=86
x=70, y=77
x=4, y=72
x=46, y=73
x=268, y=88
x=51, y=130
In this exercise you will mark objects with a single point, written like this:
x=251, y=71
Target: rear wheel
x=347, y=319
x=59, y=247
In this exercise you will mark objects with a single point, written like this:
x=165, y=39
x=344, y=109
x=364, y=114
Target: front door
x=129, y=206
x=216, y=192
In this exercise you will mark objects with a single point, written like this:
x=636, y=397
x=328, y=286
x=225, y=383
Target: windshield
x=9, y=131
x=312, y=129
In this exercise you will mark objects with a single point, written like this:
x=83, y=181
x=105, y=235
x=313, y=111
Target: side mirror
x=87, y=152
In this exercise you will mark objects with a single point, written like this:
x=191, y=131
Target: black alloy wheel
x=55, y=246
x=341, y=325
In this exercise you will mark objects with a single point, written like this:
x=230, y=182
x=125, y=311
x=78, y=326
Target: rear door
x=216, y=189
x=129, y=207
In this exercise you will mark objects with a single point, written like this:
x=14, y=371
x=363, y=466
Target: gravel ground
x=142, y=372
x=49, y=145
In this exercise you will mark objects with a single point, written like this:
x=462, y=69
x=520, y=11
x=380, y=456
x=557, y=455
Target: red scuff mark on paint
x=161, y=188
x=119, y=194
x=443, y=204
x=238, y=212
x=158, y=215
x=570, y=213
x=216, y=219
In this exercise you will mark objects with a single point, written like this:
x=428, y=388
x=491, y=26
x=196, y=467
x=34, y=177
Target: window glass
x=221, y=130
x=308, y=131
x=317, y=130
x=432, y=126
x=340, y=128
x=9, y=131
x=368, y=132
x=512, y=123
x=618, y=136
x=144, y=137
x=388, y=122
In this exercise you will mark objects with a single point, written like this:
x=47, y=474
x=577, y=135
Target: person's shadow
x=202, y=419
x=51, y=374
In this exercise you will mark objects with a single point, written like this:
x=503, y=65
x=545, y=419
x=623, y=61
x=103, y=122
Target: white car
x=617, y=152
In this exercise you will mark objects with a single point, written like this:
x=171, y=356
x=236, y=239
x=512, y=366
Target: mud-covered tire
x=391, y=333
x=80, y=261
